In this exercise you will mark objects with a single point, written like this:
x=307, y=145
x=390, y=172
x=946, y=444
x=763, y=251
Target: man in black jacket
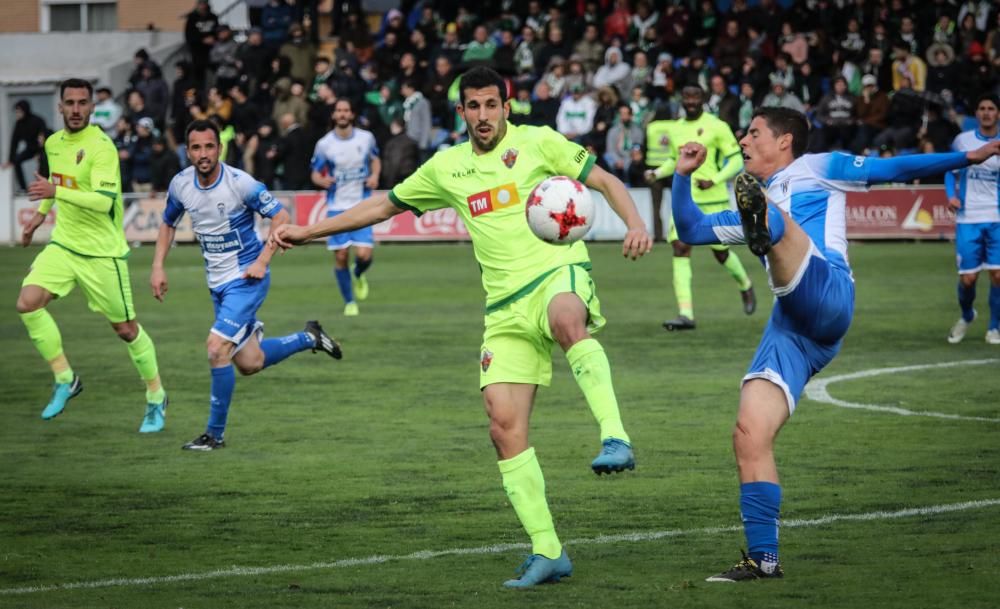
x=29, y=129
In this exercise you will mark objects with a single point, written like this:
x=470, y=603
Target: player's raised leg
x=44, y=333
x=567, y=318
x=509, y=407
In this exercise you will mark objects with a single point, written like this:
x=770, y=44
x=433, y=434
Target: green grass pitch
x=371, y=482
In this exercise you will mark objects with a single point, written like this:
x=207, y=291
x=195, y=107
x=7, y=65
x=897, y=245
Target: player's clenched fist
x=288, y=235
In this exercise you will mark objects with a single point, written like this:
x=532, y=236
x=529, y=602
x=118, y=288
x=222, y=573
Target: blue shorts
x=236, y=304
x=977, y=246
x=364, y=237
x=807, y=325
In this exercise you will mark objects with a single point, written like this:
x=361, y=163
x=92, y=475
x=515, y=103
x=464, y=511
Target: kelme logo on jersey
x=509, y=157
x=495, y=198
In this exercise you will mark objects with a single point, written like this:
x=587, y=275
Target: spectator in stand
x=393, y=22
x=621, y=138
x=872, y=112
x=782, y=98
x=605, y=116
x=524, y=56
x=422, y=50
x=836, y=115
x=417, y=116
x=576, y=74
x=123, y=139
x=322, y=71
x=992, y=47
x=704, y=26
x=106, y=111
x=590, y=49
x=261, y=156
x=968, y=34
x=877, y=66
x=614, y=73
x=199, y=34
x=219, y=105
x=223, y=58
x=436, y=91
x=451, y=45
x=301, y=52
x=138, y=59
x=793, y=43
x=907, y=67
x=693, y=72
x=346, y=83
x=25, y=140
x=400, y=155
x=503, y=56
x=674, y=29
x=254, y=58
x=544, y=107
x=536, y=19
x=555, y=46
x=908, y=35
x=852, y=43
x=320, y=111
x=575, y=118
x=642, y=109
x=287, y=102
x=641, y=74
x=295, y=154
x=480, y=49
x=141, y=153
x=137, y=107
x=662, y=78
x=722, y=103
x=980, y=11
x=617, y=23
x=807, y=86
x=387, y=56
x=730, y=48
x=163, y=165
x=644, y=19
x=408, y=70
x=155, y=93
x=183, y=95
x=783, y=70
x=555, y=76
x=939, y=130
x=906, y=114
x=275, y=19
x=942, y=71
x=747, y=105
x=520, y=106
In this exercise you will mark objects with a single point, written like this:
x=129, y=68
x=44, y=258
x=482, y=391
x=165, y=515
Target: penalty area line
x=237, y=571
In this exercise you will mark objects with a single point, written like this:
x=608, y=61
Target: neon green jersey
x=488, y=191
x=724, y=159
x=84, y=167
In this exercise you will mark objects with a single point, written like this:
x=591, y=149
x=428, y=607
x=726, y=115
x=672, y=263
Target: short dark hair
x=75, y=83
x=990, y=97
x=202, y=125
x=344, y=100
x=785, y=120
x=481, y=77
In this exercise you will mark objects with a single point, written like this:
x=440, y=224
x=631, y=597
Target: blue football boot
x=155, y=419
x=616, y=455
x=62, y=393
x=538, y=569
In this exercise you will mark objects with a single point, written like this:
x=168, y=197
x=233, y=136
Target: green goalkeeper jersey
x=724, y=160
x=488, y=192
x=84, y=167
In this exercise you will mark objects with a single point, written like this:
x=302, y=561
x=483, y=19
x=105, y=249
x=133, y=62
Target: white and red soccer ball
x=560, y=210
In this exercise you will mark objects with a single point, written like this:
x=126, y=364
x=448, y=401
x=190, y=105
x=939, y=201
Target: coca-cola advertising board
x=437, y=225
x=900, y=213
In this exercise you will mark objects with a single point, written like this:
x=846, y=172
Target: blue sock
x=344, y=283
x=760, y=504
x=994, y=307
x=223, y=383
x=360, y=266
x=775, y=223
x=966, y=296
x=277, y=349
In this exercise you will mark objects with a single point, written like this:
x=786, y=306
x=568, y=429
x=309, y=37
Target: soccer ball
x=560, y=210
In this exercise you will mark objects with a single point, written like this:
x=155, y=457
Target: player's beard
x=499, y=130
x=84, y=122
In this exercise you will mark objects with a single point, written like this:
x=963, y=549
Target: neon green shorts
x=706, y=208
x=104, y=281
x=517, y=343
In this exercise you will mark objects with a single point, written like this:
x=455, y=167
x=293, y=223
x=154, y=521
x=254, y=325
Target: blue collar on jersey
x=222, y=170
x=983, y=138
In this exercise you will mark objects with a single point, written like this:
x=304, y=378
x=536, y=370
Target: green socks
x=593, y=374
x=45, y=335
x=682, y=286
x=736, y=270
x=143, y=355
x=525, y=487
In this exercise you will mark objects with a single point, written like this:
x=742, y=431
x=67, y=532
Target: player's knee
x=746, y=442
x=681, y=249
x=252, y=366
x=27, y=306
x=969, y=279
x=127, y=332
x=995, y=276
x=721, y=255
x=218, y=352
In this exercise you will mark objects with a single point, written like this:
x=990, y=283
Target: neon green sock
x=682, y=286
x=593, y=374
x=736, y=270
x=143, y=355
x=525, y=487
x=45, y=335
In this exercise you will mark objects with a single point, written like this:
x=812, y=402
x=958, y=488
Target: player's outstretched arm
x=370, y=211
x=912, y=166
x=158, y=276
x=637, y=240
x=693, y=226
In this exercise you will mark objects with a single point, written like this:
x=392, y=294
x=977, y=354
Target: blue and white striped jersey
x=349, y=161
x=222, y=218
x=812, y=190
x=978, y=185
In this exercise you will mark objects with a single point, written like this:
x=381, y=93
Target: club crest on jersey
x=784, y=187
x=486, y=359
x=509, y=157
x=79, y=155
x=222, y=209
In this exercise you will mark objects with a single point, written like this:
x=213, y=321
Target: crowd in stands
x=874, y=76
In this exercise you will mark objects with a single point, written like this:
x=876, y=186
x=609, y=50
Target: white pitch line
x=237, y=571
x=817, y=390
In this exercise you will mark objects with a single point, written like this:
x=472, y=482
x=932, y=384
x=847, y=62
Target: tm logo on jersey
x=493, y=199
x=60, y=179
